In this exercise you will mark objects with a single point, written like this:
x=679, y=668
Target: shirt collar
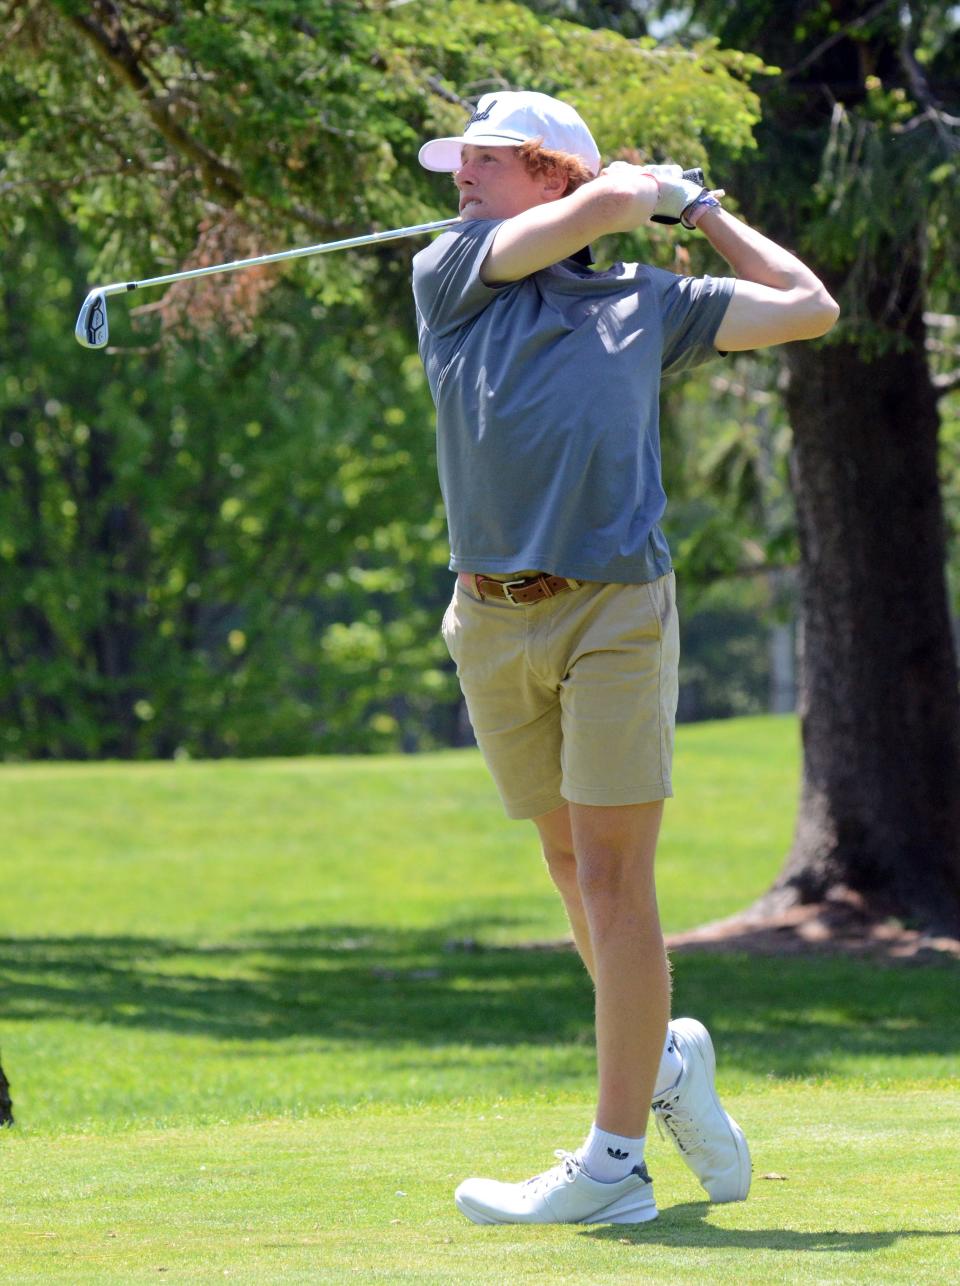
x=583, y=257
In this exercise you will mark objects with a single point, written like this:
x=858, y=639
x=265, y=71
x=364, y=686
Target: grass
x=268, y=1202
x=245, y=1005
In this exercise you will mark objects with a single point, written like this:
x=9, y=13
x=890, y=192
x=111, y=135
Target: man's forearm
x=545, y=234
x=754, y=257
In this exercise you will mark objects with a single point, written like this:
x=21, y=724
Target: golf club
x=92, y=329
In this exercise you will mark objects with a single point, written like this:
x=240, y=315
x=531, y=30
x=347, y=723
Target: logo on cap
x=481, y=116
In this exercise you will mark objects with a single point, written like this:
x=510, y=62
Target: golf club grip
x=691, y=176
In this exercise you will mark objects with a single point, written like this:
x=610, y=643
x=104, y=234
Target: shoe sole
x=625, y=1211
x=697, y=1039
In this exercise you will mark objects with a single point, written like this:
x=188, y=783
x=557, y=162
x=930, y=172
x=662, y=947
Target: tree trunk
x=879, y=812
x=6, y=1102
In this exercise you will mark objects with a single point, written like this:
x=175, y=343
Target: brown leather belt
x=520, y=592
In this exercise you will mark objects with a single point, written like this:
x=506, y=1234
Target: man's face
x=494, y=183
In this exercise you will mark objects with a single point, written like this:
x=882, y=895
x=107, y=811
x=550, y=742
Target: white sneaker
x=707, y=1137
x=565, y=1194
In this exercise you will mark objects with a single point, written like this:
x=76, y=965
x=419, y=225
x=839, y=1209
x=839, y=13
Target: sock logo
x=617, y=1154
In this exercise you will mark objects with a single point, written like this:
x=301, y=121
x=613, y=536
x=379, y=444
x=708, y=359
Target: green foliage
x=668, y=101
x=228, y=546
x=223, y=535
x=726, y=451
x=731, y=527
x=725, y=669
x=628, y=17
x=858, y=153
x=950, y=481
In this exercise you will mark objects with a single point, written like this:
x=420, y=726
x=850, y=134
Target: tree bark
x=879, y=814
x=6, y=1102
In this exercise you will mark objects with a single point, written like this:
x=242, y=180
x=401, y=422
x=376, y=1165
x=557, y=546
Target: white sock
x=610, y=1157
x=671, y=1065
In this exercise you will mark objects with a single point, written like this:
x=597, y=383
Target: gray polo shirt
x=547, y=392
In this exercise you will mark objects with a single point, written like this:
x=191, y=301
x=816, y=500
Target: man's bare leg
x=601, y=860
x=721, y=1162
x=615, y=849
x=556, y=839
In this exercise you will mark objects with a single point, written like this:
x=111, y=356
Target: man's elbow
x=820, y=314
x=609, y=204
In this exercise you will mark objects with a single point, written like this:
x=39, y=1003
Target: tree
x=858, y=168
x=215, y=546
x=223, y=536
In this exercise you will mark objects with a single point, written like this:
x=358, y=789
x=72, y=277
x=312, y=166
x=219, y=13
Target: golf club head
x=91, y=329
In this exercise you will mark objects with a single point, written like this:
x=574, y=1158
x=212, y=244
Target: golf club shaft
x=349, y=243
x=92, y=328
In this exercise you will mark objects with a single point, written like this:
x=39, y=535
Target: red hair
x=541, y=161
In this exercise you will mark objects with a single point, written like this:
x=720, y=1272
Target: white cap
x=509, y=118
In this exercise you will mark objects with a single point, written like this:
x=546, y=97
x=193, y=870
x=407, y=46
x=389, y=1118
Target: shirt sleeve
x=691, y=310
x=446, y=276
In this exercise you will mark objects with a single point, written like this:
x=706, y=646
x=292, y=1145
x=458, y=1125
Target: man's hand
x=677, y=188
x=675, y=193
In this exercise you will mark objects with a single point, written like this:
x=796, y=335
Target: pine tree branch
x=111, y=43
x=114, y=48
x=436, y=87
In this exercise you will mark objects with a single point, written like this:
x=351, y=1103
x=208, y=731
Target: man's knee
x=562, y=865
x=556, y=840
x=604, y=875
x=615, y=850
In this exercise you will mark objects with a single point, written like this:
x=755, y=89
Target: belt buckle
x=509, y=586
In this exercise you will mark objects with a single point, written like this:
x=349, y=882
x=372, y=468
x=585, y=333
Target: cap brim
x=443, y=154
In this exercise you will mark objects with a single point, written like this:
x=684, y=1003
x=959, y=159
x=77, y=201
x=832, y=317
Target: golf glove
x=675, y=192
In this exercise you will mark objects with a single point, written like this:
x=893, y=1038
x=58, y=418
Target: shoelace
x=682, y=1127
x=569, y=1165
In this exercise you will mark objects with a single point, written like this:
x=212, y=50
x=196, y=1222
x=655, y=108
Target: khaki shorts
x=573, y=698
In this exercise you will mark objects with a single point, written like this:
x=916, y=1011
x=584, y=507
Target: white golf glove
x=676, y=191
x=674, y=194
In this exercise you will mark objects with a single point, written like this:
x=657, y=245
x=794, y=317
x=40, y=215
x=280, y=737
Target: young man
x=563, y=624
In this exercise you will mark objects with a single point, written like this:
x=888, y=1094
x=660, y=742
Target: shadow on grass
x=686, y=1226
x=781, y=1017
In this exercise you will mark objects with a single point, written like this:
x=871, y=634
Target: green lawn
x=245, y=1005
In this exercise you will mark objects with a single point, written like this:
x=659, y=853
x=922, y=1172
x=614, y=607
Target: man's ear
x=554, y=185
